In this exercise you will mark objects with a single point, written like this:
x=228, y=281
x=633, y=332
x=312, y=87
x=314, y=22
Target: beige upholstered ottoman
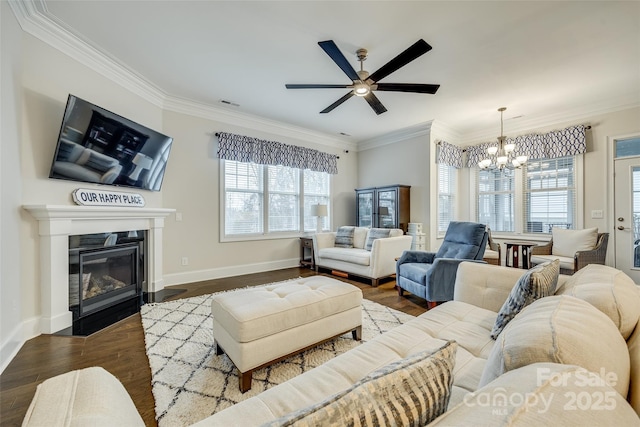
x=259, y=326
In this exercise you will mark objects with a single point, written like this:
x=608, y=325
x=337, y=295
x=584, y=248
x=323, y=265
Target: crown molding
x=245, y=120
x=35, y=19
x=443, y=131
x=580, y=115
x=396, y=136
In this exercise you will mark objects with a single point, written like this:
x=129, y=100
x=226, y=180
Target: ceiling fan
x=363, y=83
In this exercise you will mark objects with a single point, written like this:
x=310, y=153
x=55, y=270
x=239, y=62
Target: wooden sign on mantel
x=89, y=197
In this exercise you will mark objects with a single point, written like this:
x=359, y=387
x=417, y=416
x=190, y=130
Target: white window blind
x=316, y=192
x=243, y=198
x=496, y=199
x=549, y=194
x=446, y=196
x=259, y=199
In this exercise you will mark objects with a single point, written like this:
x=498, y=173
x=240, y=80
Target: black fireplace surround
x=106, y=276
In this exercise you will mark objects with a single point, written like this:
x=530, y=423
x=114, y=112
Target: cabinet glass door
x=365, y=209
x=387, y=209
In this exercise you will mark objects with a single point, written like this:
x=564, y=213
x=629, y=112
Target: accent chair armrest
x=542, y=249
x=595, y=256
x=417, y=256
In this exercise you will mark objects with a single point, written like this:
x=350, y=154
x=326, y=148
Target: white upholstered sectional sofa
x=572, y=358
x=366, y=256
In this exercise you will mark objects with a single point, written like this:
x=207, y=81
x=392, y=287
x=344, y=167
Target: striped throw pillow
x=376, y=233
x=410, y=392
x=344, y=237
x=538, y=282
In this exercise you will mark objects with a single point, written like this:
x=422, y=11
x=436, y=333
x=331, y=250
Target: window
x=549, y=195
x=541, y=195
x=496, y=199
x=264, y=200
x=446, y=196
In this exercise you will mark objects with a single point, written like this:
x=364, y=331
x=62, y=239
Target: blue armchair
x=432, y=275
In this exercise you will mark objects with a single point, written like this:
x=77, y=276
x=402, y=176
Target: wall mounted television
x=98, y=146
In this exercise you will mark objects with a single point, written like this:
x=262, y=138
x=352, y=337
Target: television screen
x=98, y=146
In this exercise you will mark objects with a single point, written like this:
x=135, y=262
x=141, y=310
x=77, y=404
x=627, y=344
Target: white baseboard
x=13, y=343
x=235, y=270
x=32, y=327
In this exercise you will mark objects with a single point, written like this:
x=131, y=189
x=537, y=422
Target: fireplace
x=55, y=224
x=105, y=270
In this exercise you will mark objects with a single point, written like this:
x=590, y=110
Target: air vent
x=229, y=103
x=344, y=134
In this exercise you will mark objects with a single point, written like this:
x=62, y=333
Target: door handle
x=620, y=227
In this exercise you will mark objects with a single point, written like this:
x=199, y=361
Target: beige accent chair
x=574, y=248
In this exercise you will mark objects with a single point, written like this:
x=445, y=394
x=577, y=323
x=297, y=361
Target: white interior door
x=627, y=215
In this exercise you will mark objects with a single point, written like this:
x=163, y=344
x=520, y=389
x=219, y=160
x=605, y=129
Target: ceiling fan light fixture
x=361, y=89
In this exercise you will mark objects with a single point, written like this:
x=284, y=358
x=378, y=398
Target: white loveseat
x=377, y=263
x=590, y=323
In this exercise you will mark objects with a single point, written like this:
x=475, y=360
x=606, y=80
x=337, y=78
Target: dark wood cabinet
x=383, y=207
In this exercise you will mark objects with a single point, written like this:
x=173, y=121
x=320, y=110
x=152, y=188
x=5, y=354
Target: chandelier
x=502, y=156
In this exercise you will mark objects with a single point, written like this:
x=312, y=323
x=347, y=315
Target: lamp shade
x=319, y=210
x=143, y=161
x=383, y=210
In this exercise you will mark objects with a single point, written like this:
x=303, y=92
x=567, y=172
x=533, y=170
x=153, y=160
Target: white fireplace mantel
x=57, y=223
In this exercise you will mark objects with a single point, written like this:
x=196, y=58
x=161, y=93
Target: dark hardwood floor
x=120, y=348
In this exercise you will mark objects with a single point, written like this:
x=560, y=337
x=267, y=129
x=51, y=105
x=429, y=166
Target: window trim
x=265, y=235
x=519, y=204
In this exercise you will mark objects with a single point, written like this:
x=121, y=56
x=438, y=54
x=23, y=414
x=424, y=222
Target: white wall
x=402, y=162
x=192, y=187
x=36, y=80
x=11, y=299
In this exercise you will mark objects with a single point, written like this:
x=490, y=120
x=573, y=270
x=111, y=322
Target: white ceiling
x=544, y=61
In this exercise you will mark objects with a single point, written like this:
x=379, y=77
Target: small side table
x=512, y=255
x=307, y=258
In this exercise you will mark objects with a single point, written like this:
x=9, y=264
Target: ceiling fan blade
x=313, y=86
x=338, y=102
x=334, y=53
x=408, y=87
x=375, y=103
x=412, y=52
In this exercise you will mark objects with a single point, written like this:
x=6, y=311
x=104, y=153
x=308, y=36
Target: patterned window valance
x=449, y=154
x=557, y=143
x=252, y=150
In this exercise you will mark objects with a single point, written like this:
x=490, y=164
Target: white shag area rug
x=190, y=382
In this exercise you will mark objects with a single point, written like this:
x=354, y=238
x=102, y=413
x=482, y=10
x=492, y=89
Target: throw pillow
x=562, y=329
x=344, y=237
x=420, y=385
x=376, y=233
x=538, y=282
x=568, y=242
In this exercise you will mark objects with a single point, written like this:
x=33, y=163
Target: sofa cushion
x=561, y=329
x=633, y=343
x=374, y=234
x=609, y=290
x=536, y=283
x=344, y=237
x=350, y=255
x=411, y=391
x=542, y=394
x=86, y=397
x=360, y=237
x=568, y=242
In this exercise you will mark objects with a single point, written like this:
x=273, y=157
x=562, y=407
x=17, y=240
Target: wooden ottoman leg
x=244, y=379
x=357, y=333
